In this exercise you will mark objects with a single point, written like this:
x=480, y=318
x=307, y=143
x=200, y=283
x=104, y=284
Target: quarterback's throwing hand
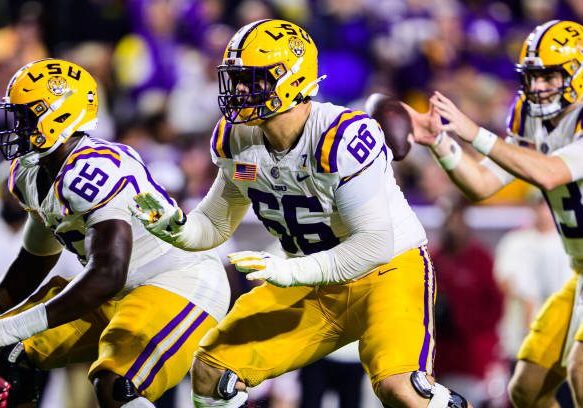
x=459, y=123
x=426, y=126
x=159, y=217
x=259, y=265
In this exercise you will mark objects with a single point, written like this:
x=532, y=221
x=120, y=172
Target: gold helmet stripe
x=236, y=45
x=538, y=36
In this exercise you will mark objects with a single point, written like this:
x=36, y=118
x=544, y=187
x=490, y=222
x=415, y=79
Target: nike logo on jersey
x=301, y=178
x=386, y=270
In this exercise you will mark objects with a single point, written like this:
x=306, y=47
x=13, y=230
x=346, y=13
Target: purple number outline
x=365, y=144
x=88, y=191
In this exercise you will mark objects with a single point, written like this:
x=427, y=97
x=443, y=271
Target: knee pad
x=25, y=381
x=438, y=395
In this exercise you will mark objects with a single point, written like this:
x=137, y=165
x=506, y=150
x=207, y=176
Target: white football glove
x=259, y=265
x=160, y=218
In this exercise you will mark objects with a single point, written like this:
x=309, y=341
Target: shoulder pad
x=517, y=116
x=578, y=132
x=13, y=180
x=90, y=178
x=350, y=144
x=221, y=140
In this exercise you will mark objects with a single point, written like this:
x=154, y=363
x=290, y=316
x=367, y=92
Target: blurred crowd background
x=155, y=63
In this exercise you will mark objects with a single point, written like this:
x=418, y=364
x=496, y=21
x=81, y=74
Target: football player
x=544, y=146
x=318, y=176
x=140, y=306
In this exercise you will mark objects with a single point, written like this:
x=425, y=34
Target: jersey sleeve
x=350, y=145
x=578, y=132
x=571, y=154
x=91, y=179
x=38, y=239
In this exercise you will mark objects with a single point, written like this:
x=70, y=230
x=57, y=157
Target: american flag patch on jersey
x=245, y=172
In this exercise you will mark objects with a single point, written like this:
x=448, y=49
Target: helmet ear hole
x=62, y=118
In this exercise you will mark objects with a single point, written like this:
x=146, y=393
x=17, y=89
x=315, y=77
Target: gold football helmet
x=554, y=46
x=269, y=66
x=46, y=102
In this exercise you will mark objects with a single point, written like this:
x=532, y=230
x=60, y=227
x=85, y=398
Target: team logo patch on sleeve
x=245, y=172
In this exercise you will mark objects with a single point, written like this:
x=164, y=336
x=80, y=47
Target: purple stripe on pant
x=157, y=339
x=171, y=351
x=427, y=310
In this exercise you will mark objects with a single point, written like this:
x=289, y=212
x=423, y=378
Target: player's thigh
x=544, y=344
x=534, y=385
x=73, y=342
x=395, y=305
x=151, y=339
x=268, y=332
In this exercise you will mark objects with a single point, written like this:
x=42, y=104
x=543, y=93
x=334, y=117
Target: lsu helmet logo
x=297, y=46
x=57, y=85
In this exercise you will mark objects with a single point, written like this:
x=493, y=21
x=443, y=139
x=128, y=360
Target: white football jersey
x=97, y=182
x=565, y=141
x=294, y=195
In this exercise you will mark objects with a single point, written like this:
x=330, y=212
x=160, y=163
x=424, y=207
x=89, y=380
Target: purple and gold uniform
x=558, y=323
x=306, y=197
x=148, y=332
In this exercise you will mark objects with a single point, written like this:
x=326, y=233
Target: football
x=394, y=121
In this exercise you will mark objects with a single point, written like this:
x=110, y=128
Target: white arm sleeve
x=215, y=219
x=571, y=154
x=38, y=239
x=502, y=175
x=362, y=204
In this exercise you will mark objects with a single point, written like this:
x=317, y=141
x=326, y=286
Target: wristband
x=484, y=141
x=451, y=160
x=440, y=138
x=23, y=325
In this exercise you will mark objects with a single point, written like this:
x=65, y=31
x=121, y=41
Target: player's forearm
x=350, y=260
x=86, y=292
x=215, y=219
x=108, y=245
x=370, y=243
x=201, y=232
x=475, y=181
x=546, y=172
x=360, y=254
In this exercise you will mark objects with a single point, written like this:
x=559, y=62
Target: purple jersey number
x=361, y=144
x=572, y=203
x=298, y=233
x=90, y=187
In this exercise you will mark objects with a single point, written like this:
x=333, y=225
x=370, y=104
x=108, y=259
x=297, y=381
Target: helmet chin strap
x=546, y=110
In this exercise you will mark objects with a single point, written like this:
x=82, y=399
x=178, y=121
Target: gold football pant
x=273, y=330
x=149, y=336
x=545, y=343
